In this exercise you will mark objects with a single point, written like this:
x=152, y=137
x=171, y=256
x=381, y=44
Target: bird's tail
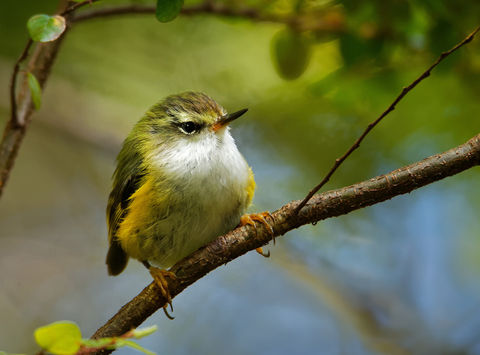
x=117, y=259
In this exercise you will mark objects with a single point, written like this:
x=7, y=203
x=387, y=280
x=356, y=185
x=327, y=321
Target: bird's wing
x=127, y=179
x=119, y=201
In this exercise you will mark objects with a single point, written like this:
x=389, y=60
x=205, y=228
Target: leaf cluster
x=65, y=338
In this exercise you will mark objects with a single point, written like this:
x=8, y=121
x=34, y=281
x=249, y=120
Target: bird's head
x=189, y=116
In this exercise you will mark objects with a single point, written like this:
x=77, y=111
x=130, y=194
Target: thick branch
x=322, y=206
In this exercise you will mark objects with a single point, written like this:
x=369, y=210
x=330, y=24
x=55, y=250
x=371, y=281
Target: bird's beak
x=226, y=119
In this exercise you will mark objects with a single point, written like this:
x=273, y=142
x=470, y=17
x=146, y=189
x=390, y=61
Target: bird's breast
x=209, y=190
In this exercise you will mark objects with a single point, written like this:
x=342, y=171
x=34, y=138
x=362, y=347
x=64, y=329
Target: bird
x=180, y=182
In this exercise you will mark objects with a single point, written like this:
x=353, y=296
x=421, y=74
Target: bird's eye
x=189, y=127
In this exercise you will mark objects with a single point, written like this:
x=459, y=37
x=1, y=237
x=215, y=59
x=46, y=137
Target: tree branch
x=322, y=21
x=326, y=205
x=22, y=108
x=76, y=6
x=390, y=108
x=202, y=8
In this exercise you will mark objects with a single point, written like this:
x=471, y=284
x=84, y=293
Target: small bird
x=180, y=182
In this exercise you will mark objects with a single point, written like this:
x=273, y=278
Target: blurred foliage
x=290, y=53
x=409, y=266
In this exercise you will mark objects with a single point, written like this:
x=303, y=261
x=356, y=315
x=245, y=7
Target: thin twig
x=322, y=23
x=77, y=6
x=405, y=90
x=114, y=11
x=326, y=205
x=13, y=83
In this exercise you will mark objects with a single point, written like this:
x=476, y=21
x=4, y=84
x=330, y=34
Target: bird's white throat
x=212, y=155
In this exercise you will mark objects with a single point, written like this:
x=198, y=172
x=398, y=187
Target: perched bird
x=180, y=182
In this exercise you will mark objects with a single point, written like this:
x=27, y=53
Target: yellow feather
x=250, y=187
x=139, y=216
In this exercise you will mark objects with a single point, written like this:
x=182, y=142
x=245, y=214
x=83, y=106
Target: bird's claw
x=160, y=275
x=262, y=253
x=250, y=219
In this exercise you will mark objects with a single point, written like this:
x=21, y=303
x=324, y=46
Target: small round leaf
x=62, y=337
x=290, y=54
x=168, y=10
x=35, y=90
x=45, y=28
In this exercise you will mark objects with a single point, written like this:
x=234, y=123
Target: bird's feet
x=250, y=219
x=160, y=277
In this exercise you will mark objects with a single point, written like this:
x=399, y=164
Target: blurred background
x=401, y=277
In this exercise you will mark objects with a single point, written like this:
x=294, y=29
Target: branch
x=76, y=6
x=22, y=108
x=326, y=205
x=390, y=108
x=199, y=9
x=202, y=8
x=322, y=21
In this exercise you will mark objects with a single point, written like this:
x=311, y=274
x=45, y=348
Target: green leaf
x=290, y=54
x=143, y=332
x=124, y=342
x=61, y=338
x=35, y=90
x=168, y=10
x=45, y=28
x=98, y=343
